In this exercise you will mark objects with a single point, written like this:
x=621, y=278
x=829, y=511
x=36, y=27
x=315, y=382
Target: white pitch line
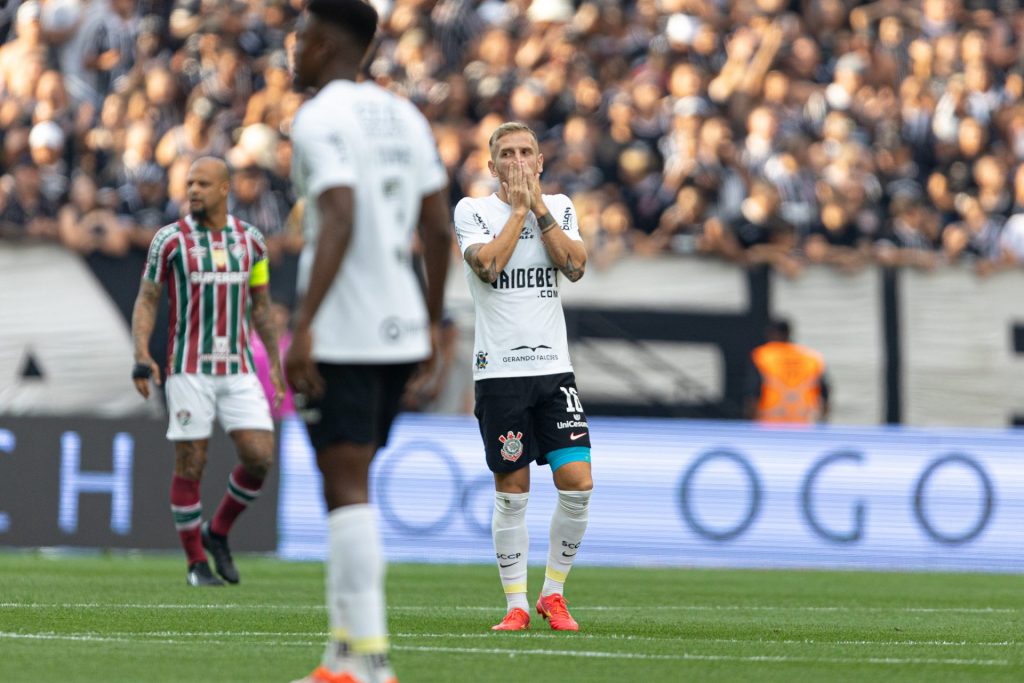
x=90, y=638
x=726, y=641
x=532, y=635
x=585, y=654
x=496, y=610
x=142, y=605
x=708, y=658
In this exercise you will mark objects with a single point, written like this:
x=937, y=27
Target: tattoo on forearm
x=144, y=318
x=263, y=321
x=546, y=222
x=571, y=270
x=487, y=273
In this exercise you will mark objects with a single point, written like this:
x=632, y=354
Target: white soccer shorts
x=193, y=401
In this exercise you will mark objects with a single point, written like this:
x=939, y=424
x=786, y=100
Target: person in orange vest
x=787, y=382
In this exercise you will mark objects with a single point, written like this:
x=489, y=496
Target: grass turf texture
x=132, y=618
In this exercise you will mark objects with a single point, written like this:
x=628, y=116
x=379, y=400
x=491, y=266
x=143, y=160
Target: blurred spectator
x=98, y=56
x=759, y=235
x=266, y=105
x=613, y=238
x=46, y=150
x=1011, y=243
x=26, y=214
x=681, y=228
x=26, y=44
x=837, y=241
x=252, y=201
x=989, y=177
x=642, y=187
x=88, y=224
x=911, y=237
x=18, y=105
x=144, y=205
x=976, y=236
x=194, y=138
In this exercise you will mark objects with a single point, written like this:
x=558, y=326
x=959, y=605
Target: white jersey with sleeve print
x=361, y=136
x=520, y=326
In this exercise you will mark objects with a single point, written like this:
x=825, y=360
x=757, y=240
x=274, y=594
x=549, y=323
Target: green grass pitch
x=131, y=618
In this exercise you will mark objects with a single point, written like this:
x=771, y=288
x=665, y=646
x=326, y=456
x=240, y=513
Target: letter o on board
x=753, y=501
x=986, y=509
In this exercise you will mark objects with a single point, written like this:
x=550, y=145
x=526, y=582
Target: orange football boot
x=553, y=608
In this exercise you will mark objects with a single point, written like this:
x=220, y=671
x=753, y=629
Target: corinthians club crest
x=511, y=446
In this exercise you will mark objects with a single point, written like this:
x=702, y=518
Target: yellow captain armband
x=260, y=274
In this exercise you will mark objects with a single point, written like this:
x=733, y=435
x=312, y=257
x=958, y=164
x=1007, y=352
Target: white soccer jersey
x=520, y=326
x=361, y=136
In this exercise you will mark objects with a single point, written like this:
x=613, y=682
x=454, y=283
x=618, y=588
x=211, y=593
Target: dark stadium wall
x=734, y=334
x=898, y=343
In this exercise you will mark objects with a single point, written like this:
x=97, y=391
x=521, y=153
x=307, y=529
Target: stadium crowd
x=763, y=131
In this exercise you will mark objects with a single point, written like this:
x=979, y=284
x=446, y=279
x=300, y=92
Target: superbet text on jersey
x=210, y=274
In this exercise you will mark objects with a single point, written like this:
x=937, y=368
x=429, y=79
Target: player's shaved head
x=208, y=186
x=216, y=168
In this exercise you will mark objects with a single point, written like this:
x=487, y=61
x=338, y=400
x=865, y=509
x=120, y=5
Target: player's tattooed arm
x=565, y=253
x=572, y=271
x=488, y=272
x=143, y=320
x=263, y=321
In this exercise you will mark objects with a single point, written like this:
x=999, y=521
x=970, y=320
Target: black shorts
x=527, y=419
x=358, y=405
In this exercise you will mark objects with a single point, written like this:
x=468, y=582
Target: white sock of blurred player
x=355, y=592
x=568, y=524
x=511, y=545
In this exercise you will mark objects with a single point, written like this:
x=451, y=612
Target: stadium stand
x=759, y=132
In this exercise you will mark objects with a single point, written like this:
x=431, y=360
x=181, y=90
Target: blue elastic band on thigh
x=566, y=455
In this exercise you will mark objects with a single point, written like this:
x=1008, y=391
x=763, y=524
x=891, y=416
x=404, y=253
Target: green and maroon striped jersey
x=209, y=274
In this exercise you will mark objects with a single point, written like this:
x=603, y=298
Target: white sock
x=567, y=526
x=355, y=586
x=511, y=545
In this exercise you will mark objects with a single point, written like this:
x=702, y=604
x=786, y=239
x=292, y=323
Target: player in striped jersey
x=215, y=267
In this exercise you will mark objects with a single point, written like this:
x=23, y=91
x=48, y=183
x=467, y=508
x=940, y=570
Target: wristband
x=142, y=371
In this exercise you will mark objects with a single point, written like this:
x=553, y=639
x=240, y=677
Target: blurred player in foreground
x=366, y=163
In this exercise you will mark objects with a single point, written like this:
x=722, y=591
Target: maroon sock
x=243, y=488
x=188, y=515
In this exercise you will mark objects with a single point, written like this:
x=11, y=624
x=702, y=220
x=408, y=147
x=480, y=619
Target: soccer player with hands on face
x=517, y=244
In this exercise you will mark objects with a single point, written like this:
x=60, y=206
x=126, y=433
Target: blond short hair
x=507, y=129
